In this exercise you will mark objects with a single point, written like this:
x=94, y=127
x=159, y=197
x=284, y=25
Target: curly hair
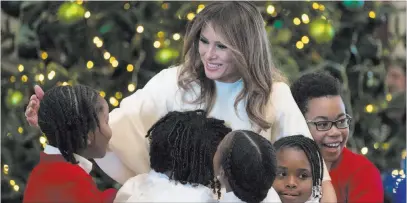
x=249, y=162
x=184, y=144
x=314, y=85
x=66, y=115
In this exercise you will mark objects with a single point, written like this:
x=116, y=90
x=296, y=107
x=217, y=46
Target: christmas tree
x=117, y=47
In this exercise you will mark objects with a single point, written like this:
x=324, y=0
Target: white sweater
x=129, y=149
x=157, y=187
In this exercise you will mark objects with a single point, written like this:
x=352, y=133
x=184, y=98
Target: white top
x=129, y=154
x=157, y=187
x=271, y=197
x=85, y=164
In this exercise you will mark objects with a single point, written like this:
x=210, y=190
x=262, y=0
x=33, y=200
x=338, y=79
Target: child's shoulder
x=59, y=171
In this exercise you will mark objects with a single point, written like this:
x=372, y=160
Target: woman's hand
x=31, y=113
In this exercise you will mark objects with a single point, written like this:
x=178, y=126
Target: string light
x=79, y=2
x=296, y=21
x=44, y=55
x=118, y=95
x=112, y=59
x=20, y=130
x=385, y=146
x=364, y=150
x=115, y=63
x=113, y=101
x=305, y=18
x=126, y=6
x=165, y=6
x=40, y=77
x=16, y=188
x=157, y=44
x=65, y=84
x=51, y=75
x=89, y=64
x=305, y=39
x=102, y=94
x=167, y=42
x=43, y=140
x=106, y=55
x=131, y=87
x=190, y=16
x=315, y=6
x=160, y=34
x=20, y=68
x=176, y=36
x=87, y=14
x=24, y=78
x=299, y=45
x=200, y=8
x=5, y=169
x=369, y=108
x=376, y=145
x=321, y=7
x=270, y=9
x=372, y=14
x=12, y=78
x=130, y=68
x=140, y=29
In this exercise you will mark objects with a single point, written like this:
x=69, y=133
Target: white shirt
x=129, y=154
x=83, y=162
x=272, y=197
x=157, y=187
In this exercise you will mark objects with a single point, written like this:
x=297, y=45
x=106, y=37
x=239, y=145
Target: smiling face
x=216, y=57
x=330, y=142
x=293, y=182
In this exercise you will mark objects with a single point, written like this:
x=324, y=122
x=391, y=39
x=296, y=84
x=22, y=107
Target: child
x=75, y=122
x=299, y=169
x=245, y=164
x=182, y=147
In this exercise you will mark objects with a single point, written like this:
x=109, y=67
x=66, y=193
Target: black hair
x=249, y=162
x=311, y=150
x=184, y=144
x=66, y=115
x=314, y=85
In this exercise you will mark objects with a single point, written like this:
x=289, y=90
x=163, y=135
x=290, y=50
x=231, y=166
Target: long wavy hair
x=241, y=24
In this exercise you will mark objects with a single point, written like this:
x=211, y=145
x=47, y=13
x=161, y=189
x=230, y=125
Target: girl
x=183, y=145
x=75, y=121
x=226, y=69
x=299, y=170
x=245, y=164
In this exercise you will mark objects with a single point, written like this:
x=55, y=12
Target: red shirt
x=55, y=180
x=356, y=179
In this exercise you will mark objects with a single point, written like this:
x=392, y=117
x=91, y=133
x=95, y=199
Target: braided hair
x=66, y=115
x=311, y=150
x=249, y=163
x=184, y=144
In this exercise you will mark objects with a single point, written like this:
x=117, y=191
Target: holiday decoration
x=14, y=98
x=166, y=55
x=353, y=4
x=70, y=12
x=321, y=30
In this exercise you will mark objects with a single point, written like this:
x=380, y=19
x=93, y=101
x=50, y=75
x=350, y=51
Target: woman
x=226, y=70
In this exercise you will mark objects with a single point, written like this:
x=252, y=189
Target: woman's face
x=216, y=57
x=293, y=182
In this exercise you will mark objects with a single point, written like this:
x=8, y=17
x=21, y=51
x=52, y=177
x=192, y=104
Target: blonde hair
x=241, y=24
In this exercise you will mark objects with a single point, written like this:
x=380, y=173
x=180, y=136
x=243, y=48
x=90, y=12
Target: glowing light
x=140, y=29
x=369, y=108
x=12, y=78
x=113, y=101
x=87, y=14
x=115, y=63
x=43, y=140
x=16, y=188
x=102, y=94
x=118, y=95
x=299, y=45
x=376, y=145
x=321, y=7
x=130, y=68
x=89, y=64
x=126, y=6
x=160, y=34
x=315, y=6
x=389, y=97
x=106, y=55
x=131, y=87
x=305, y=39
x=190, y=16
x=41, y=77
x=51, y=75
x=200, y=8
x=296, y=21
x=20, y=68
x=44, y=55
x=157, y=44
x=271, y=9
x=305, y=18
x=176, y=36
x=24, y=78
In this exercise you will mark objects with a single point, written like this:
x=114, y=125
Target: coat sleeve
x=129, y=149
x=288, y=117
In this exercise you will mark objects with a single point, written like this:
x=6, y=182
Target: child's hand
x=31, y=113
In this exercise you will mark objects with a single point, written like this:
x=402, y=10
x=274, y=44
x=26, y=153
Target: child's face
x=332, y=141
x=293, y=182
x=99, y=139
